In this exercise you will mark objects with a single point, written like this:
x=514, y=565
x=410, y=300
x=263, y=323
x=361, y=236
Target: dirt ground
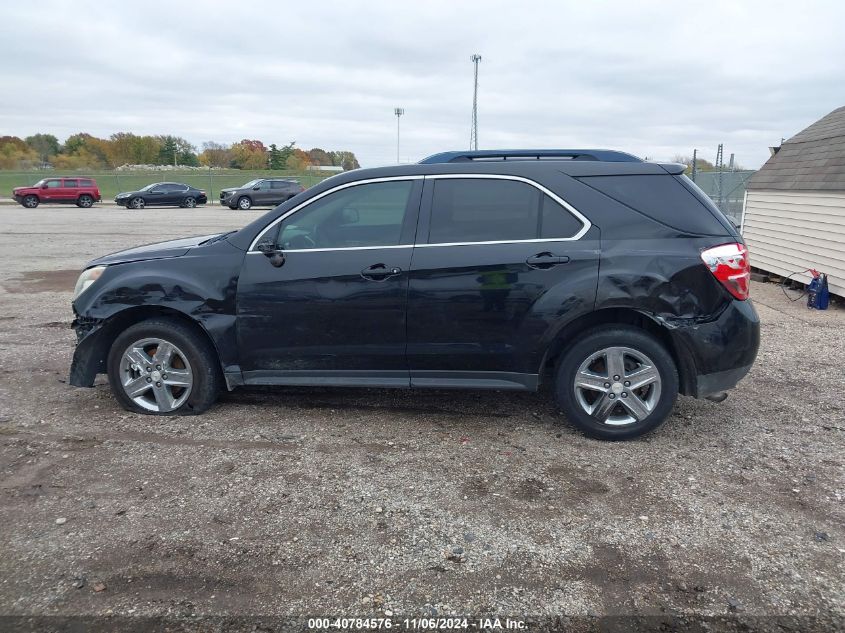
x=332, y=502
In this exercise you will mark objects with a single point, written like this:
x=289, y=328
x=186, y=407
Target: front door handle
x=545, y=260
x=380, y=272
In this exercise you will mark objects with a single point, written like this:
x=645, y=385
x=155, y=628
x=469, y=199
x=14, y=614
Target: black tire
x=233, y=208
x=244, y=203
x=199, y=353
x=85, y=201
x=594, y=342
x=136, y=203
x=189, y=202
x=30, y=201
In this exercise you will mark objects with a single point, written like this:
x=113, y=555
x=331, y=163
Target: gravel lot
x=361, y=502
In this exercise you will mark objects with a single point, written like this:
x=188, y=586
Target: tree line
x=84, y=151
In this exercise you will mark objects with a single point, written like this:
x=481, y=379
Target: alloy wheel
x=618, y=386
x=156, y=375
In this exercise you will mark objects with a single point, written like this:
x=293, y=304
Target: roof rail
x=606, y=155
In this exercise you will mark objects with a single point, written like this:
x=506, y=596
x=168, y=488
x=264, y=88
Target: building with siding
x=794, y=213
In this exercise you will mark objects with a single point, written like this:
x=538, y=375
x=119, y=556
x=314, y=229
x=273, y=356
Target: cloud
x=652, y=79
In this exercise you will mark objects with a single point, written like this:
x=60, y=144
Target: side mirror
x=256, y=187
x=44, y=186
x=275, y=255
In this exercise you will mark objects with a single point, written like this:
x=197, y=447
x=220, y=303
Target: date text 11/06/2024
x=417, y=624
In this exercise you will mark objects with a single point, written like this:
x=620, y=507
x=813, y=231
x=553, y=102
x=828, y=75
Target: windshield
x=252, y=183
x=40, y=182
x=148, y=187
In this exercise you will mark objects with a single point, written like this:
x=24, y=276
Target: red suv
x=83, y=192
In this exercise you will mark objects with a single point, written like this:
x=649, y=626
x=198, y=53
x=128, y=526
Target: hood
x=159, y=250
x=228, y=189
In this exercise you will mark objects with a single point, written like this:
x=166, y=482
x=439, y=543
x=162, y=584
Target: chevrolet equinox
x=615, y=280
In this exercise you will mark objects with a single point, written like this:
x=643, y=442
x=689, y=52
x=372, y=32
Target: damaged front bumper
x=89, y=357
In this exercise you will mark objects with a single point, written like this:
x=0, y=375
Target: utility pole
x=720, y=167
x=473, y=134
x=694, y=164
x=398, y=112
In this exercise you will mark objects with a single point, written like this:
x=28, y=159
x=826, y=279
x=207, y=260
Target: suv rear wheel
x=163, y=367
x=85, y=201
x=616, y=383
x=30, y=201
x=244, y=203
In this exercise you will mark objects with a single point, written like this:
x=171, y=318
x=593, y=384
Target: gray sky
x=651, y=78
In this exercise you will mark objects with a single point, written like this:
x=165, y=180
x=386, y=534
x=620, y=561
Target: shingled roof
x=813, y=159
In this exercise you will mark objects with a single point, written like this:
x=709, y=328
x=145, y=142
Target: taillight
x=729, y=264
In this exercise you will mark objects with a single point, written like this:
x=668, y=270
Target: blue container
x=818, y=294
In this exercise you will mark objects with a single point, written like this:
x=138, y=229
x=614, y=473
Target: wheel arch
x=98, y=342
x=622, y=316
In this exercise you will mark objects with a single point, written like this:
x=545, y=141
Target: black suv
x=260, y=192
x=615, y=279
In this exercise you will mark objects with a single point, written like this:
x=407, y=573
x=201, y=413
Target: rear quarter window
x=86, y=183
x=662, y=198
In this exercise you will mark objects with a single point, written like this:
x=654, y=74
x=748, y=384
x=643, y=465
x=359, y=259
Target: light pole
x=398, y=112
x=473, y=134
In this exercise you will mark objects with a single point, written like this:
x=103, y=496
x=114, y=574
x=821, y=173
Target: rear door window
x=661, y=198
x=71, y=183
x=495, y=210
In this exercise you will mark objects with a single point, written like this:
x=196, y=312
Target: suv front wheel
x=244, y=203
x=30, y=202
x=164, y=367
x=617, y=383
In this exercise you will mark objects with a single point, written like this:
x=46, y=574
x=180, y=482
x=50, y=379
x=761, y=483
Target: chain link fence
x=726, y=189
x=113, y=182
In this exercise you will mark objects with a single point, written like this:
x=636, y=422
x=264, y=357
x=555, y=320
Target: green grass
x=113, y=182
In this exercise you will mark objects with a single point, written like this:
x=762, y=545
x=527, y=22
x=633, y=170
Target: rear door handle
x=380, y=272
x=545, y=260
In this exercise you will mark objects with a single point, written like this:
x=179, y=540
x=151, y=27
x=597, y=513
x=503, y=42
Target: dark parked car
x=83, y=192
x=615, y=280
x=260, y=192
x=162, y=194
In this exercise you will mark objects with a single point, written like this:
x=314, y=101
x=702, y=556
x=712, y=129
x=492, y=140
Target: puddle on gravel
x=43, y=281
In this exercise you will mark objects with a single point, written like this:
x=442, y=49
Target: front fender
x=200, y=286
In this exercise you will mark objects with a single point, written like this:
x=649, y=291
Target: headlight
x=88, y=277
